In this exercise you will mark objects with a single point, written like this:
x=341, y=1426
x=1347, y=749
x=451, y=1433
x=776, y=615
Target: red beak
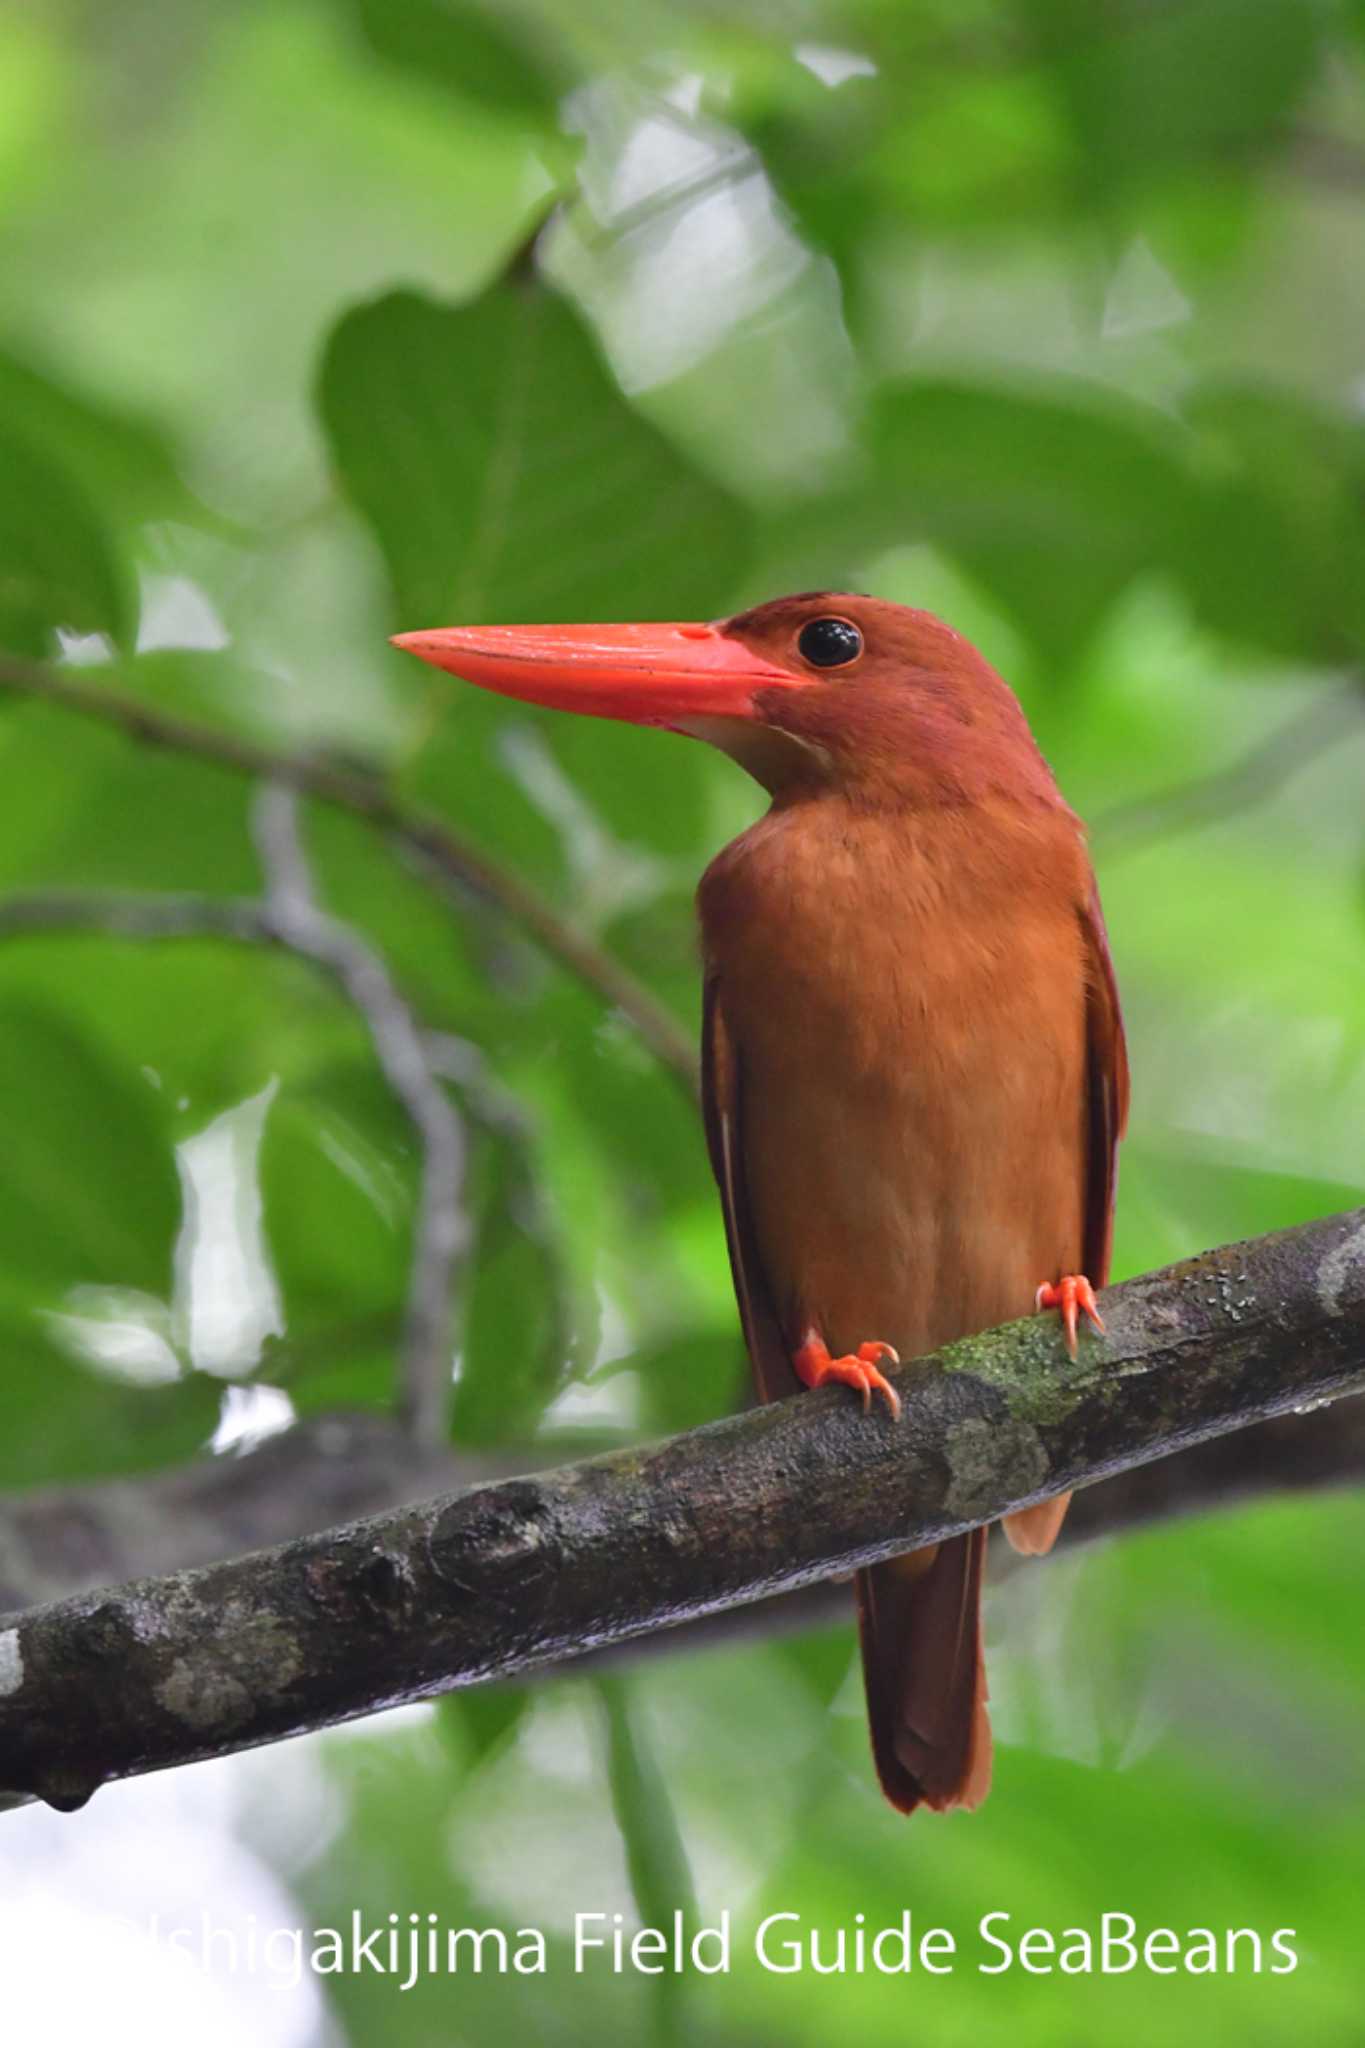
x=649, y=674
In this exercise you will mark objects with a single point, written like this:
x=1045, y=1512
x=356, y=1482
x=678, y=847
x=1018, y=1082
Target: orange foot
x=1075, y=1297
x=855, y=1369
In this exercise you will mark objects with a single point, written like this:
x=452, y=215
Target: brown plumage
x=913, y=1060
x=914, y=1084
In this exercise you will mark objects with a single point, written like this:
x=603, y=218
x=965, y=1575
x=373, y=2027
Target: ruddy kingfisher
x=913, y=1060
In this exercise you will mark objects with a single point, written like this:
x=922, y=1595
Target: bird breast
x=906, y=996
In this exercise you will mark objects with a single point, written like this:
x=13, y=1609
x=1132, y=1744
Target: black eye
x=829, y=643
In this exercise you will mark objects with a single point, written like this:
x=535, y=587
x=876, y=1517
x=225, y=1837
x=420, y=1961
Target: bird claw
x=1075, y=1297
x=858, y=1369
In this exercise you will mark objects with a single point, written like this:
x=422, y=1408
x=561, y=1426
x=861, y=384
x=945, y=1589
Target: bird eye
x=829, y=643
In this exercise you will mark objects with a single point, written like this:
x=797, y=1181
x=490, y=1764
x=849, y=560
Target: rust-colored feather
x=915, y=1084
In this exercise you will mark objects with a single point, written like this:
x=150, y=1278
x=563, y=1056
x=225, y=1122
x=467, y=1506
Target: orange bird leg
x=1075, y=1297
x=814, y=1367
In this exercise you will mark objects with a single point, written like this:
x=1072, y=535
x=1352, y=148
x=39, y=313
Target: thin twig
x=435, y=845
x=523, y=1572
x=496, y=1111
x=441, y=1232
x=138, y=914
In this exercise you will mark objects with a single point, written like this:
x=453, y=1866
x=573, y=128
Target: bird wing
x=722, y=1092
x=1033, y=1531
x=1107, y=1090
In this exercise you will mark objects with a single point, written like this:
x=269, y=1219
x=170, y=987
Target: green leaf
x=507, y=478
x=88, y=1187
x=1277, y=547
x=339, y=1171
x=690, y=1380
x=927, y=141
x=130, y=816
x=1056, y=502
x=468, y=48
x=67, y=1421
x=58, y=566
x=207, y=1022
x=1149, y=88
x=89, y=1199
x=124, y=462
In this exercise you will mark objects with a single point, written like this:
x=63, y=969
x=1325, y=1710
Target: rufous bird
x=913, y=1059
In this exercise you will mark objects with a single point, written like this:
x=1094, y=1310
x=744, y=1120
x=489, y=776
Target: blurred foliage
x=455, y=429
x=332, y=318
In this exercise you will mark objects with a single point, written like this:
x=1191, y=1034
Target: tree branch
x=60, y=1540
x=522, y=1572
x=454, y=860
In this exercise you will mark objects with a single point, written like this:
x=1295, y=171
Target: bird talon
x=857, y=1369
x=1075, y=1297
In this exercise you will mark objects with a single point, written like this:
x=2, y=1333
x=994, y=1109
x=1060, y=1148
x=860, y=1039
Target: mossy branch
x=521, y=1572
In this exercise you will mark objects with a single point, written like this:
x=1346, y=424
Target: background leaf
x=1055, y=503
x=88, y=1191
x=466, y=47
x=57, y=565
x=464, y=476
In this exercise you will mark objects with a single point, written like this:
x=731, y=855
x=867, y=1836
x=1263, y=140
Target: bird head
x=822, y=691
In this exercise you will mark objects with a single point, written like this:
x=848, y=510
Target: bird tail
x=919, y=1618
x=1033, y=1531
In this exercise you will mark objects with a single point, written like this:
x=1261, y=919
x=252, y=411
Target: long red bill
x=650, y=674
